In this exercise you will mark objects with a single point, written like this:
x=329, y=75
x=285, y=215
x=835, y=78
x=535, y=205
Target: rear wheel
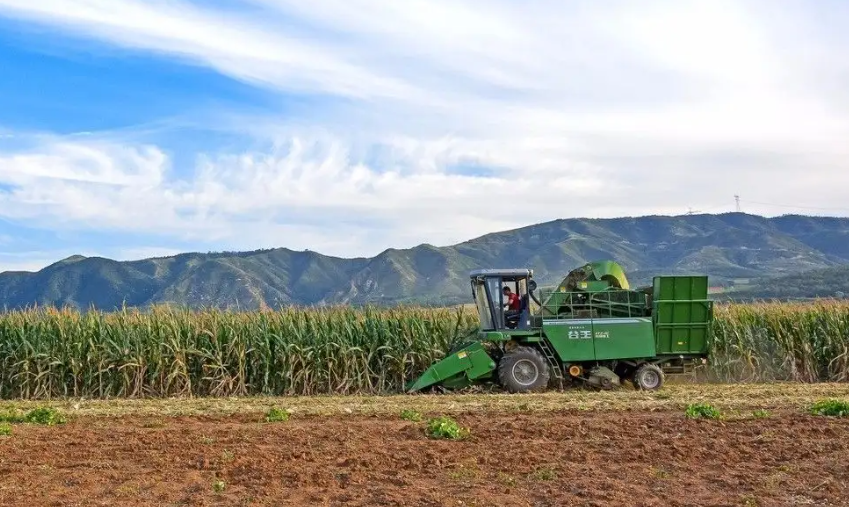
x=523, y=369
x=648, y=377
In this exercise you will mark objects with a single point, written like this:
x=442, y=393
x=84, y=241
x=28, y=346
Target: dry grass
x=737, y=400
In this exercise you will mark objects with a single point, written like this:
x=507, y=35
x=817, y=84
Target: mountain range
x=739, y=251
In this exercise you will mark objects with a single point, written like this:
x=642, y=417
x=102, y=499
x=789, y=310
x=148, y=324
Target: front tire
x=648, y=377
x=523, y=369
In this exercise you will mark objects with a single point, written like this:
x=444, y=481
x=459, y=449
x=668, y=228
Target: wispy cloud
x=244, y=46
x=568, y=109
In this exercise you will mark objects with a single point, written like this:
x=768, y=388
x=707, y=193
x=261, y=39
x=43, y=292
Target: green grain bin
x=681, y=314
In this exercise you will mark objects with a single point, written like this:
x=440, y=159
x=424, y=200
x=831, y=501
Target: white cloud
x=579, y=109
x=242, y=46
x=94, y=163
x=304, y=195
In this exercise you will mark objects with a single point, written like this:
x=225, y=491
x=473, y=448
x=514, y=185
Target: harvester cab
x=590, y=328
x=488, y=293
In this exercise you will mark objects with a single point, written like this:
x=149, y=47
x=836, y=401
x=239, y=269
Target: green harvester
x=591, y=328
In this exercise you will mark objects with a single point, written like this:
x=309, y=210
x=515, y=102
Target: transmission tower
x=737, y=200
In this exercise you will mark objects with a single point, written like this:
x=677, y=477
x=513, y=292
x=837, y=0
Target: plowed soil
x=510, y=458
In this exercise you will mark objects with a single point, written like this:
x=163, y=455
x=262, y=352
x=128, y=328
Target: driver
x=513, y=306
x=512, y=302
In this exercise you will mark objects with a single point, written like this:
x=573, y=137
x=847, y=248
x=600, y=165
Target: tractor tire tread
x=638, y=385
x=523, y=352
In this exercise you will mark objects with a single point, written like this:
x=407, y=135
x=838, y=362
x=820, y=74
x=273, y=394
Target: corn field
x=167, y=352
x=48, y=353
x=805, y=342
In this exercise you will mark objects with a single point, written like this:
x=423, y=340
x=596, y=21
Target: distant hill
x=728, y=247
x=818, y=283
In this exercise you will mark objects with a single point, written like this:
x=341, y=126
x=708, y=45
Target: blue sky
x=133, y=128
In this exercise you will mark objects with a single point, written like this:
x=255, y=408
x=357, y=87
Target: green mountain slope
x=726, y=247
x=817, y=283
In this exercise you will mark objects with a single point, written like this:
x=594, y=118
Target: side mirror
x=532, y=285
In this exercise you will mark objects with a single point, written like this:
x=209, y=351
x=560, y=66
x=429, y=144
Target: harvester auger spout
x=590, y=328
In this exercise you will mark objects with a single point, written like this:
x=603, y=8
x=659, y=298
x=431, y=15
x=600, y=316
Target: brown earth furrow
x=553, y=458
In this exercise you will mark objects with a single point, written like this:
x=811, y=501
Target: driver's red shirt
x=513, y=301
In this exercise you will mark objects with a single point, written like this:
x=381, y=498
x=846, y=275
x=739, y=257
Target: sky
x=139, y=128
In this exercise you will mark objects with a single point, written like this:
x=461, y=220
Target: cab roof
x=518, y=272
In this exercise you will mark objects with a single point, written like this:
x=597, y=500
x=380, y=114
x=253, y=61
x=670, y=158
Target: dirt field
x=522, y=450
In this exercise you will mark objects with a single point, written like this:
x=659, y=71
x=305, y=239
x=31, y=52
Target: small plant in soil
x=830, y=407
x=5, y=430
x=218, y=486
x=277, y=415
x=661, y=472
x=702, y=411
x=463, y=473
x=760, y=414
x=750, y=501
x=506, y=479
x=544, y=474
x=43, y=415
x=411, y=415
x=445, y=427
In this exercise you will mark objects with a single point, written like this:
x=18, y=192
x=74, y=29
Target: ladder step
x=552, y=360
